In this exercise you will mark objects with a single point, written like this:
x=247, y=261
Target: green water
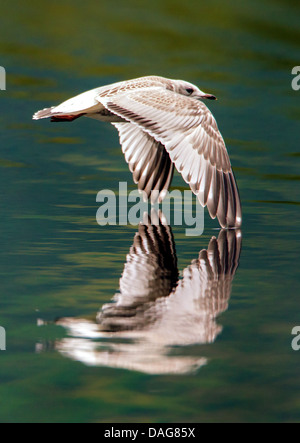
x=57, y=263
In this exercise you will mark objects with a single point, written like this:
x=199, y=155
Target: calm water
x=228, y=358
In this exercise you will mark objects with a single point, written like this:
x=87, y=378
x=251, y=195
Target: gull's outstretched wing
x=148, y=160
x=190, y=134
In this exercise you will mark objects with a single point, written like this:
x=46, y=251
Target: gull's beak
x=210, y=97
x=204, y=95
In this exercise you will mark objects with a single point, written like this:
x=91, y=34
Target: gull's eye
x=189, y=90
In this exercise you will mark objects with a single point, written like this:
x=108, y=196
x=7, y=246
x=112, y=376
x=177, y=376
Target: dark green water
x=56, y=262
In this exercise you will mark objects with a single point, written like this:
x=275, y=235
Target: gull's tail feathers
x=44, y=113
x=56, y=117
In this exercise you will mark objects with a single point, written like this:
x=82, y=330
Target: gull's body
x=162, y=124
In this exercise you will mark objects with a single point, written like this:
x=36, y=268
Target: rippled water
x=223, y=354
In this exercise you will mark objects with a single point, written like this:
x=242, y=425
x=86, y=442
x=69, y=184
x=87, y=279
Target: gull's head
x=190, y=90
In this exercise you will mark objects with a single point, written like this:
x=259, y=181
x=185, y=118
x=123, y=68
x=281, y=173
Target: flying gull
x=162, y=123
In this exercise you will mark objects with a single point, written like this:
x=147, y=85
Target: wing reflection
x=156, y=310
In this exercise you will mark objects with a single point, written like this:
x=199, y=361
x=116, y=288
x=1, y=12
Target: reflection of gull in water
x=154, y=309
x=163, y=123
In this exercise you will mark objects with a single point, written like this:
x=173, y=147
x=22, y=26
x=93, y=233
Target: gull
x=162, y=124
